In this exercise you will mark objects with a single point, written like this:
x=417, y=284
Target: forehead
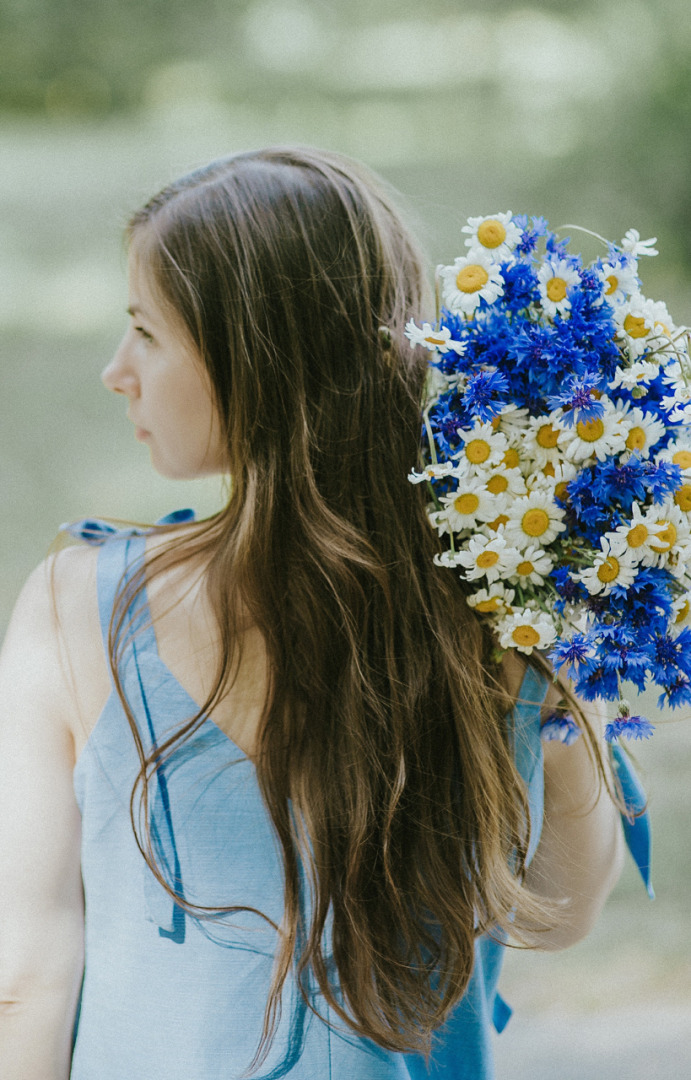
x=142, y=287
x=146, y=298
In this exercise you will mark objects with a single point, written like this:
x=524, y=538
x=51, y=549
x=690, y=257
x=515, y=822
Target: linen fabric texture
x=170, y=997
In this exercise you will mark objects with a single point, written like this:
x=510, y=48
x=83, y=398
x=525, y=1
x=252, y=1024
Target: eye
x=143, y=333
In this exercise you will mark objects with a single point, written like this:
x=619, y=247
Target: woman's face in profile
x=168, y=389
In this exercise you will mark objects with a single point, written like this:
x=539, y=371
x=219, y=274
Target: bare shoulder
x=53, y=643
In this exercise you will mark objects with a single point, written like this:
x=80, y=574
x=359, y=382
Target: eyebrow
x=134, y=310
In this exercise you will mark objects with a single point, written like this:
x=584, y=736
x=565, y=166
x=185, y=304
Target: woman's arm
x=41, y=899
x=580, y=855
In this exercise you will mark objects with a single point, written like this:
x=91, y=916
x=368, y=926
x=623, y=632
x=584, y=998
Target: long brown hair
x=382, y=754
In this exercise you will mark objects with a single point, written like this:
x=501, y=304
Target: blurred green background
x=580, y=111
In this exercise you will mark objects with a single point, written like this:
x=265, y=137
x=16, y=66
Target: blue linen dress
x=167, y=996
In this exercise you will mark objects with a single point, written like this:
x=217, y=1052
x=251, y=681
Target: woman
x=306, y=803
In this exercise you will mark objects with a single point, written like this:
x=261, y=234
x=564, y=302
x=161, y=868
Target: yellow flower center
x=612, y=284
x=637, y=536
x=609, y=569
x=477, y=451
x=491, y=233
x=635, y=326
x=556, y=289
x=501, y=520
x=683, y=498
x=511, y=458
x=560, y=490
x=466, y=503
x=548, y=469
x=497, y=484
x=535, y=522
x=525, y=635
x=525, y=568
x=547, y=436
x=590, y=430
x=683, y=612
x=667, y=537
x=471, y=278
x=636, y=440
x=682, y=458
x=487, y=558
x=488, y=605
x=436, y=341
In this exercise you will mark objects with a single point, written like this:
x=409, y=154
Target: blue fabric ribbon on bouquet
x=636, y=821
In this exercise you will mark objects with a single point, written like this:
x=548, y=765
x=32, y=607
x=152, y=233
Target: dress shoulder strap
x=121, y=554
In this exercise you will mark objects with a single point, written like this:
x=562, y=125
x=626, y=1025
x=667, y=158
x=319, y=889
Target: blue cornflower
x=531, y=233
x=647, y=606
x=570, y=591
x=662, y=478
x=594, y=681
x=574, y=652
x=614, y=481
x=676, y=693
x=577, y=401
x=559, y=247
x=671, y=656
x=619, y=651
x=535, y=346
x=590, y=281
x=484, y=394
x=630, y=727
x=520, y=285
x=445, y=420
x=560, y=727
x=592, y=510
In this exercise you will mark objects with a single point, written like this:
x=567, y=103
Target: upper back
x=186, y=635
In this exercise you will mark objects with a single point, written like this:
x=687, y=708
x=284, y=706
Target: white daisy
x=638, y=374
x=534, y=519
x=469, y=281
x=496, y=235
x=645, y=430
x=619, y=279
x=469, y=504
x=483, y=447
x=434, y=340
x=681, y=613
x=632, y=243
x=526, y=630
x=497, y=599
x=512, y=459
x=540, y=443
x=671, y=547
x=554, y=478
x=489, y=557
x=554, y=279
x=599, y=437
x=431, y=472
x=644, y=324
x=679, y=453
x=636, y=537
x=512, y=422
x=505, y=484
x=608, y=570
x=534, y=566
x=678, y=407
x=448, y=558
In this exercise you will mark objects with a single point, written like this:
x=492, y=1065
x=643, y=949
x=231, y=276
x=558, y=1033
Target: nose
x=118, y=375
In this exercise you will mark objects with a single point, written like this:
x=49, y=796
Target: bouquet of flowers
x=557, y=451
